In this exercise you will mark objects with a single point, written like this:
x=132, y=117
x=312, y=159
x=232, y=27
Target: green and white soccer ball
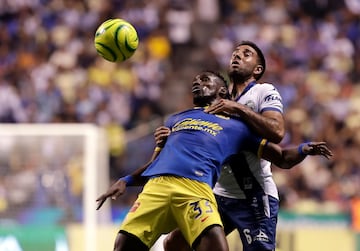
x=116, y=40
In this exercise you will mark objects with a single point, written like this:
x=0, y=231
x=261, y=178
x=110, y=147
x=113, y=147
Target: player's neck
x=238, y=87
x=204, y=103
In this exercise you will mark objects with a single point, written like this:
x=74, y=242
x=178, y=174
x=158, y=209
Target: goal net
x=44, y=170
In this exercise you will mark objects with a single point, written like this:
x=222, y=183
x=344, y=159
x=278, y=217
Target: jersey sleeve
x=261, y=147
x=270, y=99
x=169, y=122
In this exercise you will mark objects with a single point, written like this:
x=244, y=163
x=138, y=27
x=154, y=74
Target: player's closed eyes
x=205, y=78
x=246, y=53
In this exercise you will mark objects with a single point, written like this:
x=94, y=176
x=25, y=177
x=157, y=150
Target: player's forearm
x=290, y=158
x=287, y=158
x=282, y=158
x=269, y=128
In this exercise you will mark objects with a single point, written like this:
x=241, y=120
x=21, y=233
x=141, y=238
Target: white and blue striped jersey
x=246, y=174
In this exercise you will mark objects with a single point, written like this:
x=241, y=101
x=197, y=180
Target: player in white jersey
x=246, y=192
x=259, y=98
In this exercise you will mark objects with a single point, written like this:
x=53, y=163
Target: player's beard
x=239, y=76
x=202, y=101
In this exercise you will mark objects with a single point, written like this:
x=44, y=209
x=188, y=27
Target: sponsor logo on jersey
x=134, y=207
x=272, y=97
x=198, y=124
x=261, y=237
x=205, y=218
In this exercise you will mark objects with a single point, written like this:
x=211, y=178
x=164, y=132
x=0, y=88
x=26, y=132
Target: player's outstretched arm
x=289, y=157
x=119, y=187
x=115, y=190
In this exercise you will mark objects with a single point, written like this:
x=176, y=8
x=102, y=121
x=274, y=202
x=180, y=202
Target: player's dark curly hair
x=261, y=56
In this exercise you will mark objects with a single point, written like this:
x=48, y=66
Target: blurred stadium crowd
x=50, y=73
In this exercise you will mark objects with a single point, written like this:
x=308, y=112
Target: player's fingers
x=161, y=129
x=316, y=144
x=162, y=134
x=212, y=108
x=327, y=153
x=209, y=109
x=215, y=109
x=101, y=202
x=158, y=133
x=322, y=150
x=101, y=197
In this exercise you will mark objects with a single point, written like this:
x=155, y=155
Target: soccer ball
x=116, y=40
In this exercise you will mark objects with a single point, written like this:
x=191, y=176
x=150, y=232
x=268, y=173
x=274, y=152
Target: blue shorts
x=254, y=218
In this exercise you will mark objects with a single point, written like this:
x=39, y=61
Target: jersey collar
x=201, y=107
x=247, y=88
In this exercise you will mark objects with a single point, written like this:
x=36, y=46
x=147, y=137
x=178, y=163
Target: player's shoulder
x=186, y=113
x=266, y=86
x=265, y=89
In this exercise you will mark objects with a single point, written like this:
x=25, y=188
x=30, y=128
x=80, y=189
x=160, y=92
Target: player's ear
x=224, y=92
x=258, y=69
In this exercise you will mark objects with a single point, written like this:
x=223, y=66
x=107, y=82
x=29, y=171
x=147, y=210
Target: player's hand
x=223, y=106
x=317, y=148
x=117, y=189
x=161, y=133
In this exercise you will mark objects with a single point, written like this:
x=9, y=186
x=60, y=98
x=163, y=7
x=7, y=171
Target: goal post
x=91, y=146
